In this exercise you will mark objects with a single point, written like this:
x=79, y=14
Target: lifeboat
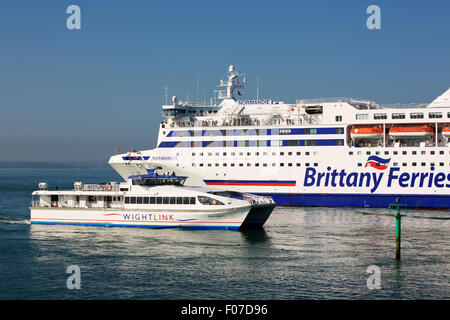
x=366, y=133
x=446, y=132
x=411, y=132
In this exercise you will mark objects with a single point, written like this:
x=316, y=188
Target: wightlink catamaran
x=151, y=200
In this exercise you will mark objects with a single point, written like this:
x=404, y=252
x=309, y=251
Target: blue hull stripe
x=134, y=225
x=359, y=200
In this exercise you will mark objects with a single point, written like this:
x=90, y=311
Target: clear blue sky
x=76, y=94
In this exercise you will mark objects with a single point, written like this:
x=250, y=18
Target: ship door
x=54, y=198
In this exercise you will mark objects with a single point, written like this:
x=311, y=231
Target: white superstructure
x=316, y=152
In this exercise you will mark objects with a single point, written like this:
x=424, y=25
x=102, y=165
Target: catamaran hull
x=141, y=218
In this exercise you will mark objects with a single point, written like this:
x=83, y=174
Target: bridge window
x=363, y=116
x=398, y=116
x=380, y=116
x=435, y=115
x=416, y=115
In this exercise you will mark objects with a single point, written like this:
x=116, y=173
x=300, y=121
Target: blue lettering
x=440, y=177
x=403, y=179
x=309, y=176
x=376, y=181
x=392, y=176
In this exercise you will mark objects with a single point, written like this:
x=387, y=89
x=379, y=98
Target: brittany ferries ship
x=324, y=152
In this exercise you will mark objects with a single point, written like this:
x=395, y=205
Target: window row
x=160, y=200
x=414, y=164
x=251, y=143
x=400, y=115
x=404, y=152
x=281, y=164
x=253, y=132
x=233, y=154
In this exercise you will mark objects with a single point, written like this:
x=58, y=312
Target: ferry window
x=224, y=153
x=172, y=200
x=307, y=153
x=423, y=164
x=398, y=116
x=350, y=153
x=416, y=115
x=158, y=200
x=146, y=200
x=358, y=153
x=256, y=164
x=127, y=199
x=201, y=164
x=208, y=201
x=285, y=131
x=386, y=152
x=448, y=115
x=414, y=164
x=338, y=118
x=441, y=152
x=193, y=164
x=368, y=153
x=249, y=154
x=281, y=153
x=298, y=164
x=292, y=143
x=264, y=153
x=395, y=164
x=289, y=164
x=209, y=164
x=422, y=152
x=274, y=153
x=152, y=200
x=289, y=153
x=217, y=164
x=165, y=200
x=441, y=164
x=435, y=115
x=432, y=164
x=339, y=130
x=310, y=131
x=179, y=200
x=241, y=164
x=315, y=164
x=414, y=152
x=380, y=116
x=185, y=200
x=363, y=116
x=359, y=164
x=232, y=164
x=307, y=164
x=233, y=154
x=224, y=164
x=249, y=164
x=274, y=164
x=139, y=200
x=298, y=153
x=133, y=200
x=395, y=152
x=404, y=152
x=404, y=164
x=264, y=164
x=431, y=152
x=217, y=154
x=281, y=164
x=377, y=153
x=192, y=200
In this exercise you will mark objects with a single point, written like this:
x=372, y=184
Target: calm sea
x=303, y=253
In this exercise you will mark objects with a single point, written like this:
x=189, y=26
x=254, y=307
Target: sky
x=78, y=94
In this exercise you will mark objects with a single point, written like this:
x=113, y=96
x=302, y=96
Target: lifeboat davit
x=366, y=133
x=446, y=132
x=411, y=132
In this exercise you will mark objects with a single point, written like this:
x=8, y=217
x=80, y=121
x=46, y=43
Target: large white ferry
x=149, y=201
x=321, y=152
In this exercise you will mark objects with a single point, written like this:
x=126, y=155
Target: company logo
x=377, y=162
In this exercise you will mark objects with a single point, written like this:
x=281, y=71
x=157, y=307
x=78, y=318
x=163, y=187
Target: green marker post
x=398, y=225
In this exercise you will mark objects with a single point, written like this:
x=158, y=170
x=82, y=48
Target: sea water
x=302, y=253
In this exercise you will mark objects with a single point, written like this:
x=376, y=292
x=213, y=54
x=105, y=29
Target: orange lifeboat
x=411, y=132
x=446, y=132
x=366, y=133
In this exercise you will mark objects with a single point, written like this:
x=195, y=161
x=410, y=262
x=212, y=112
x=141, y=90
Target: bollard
x=398, y=225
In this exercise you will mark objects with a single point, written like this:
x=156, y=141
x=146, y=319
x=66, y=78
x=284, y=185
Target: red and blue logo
x=377, y=162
